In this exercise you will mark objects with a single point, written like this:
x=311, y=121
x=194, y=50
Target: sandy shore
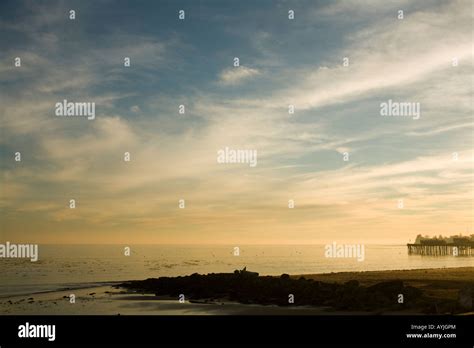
x=108, y=300
x=436, y=283
x=451, y=275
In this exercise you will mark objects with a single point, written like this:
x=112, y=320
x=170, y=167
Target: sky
x=425, y=163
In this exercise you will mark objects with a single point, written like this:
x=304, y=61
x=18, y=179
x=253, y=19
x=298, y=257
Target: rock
x=248, y=287
x=411, y=293
x=352, y=284
x=465, y=297
x=390, y=288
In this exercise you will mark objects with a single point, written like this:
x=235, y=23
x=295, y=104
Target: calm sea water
x=72, y=265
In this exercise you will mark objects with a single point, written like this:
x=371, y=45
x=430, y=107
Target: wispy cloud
x=300, y=155
x=237, y=75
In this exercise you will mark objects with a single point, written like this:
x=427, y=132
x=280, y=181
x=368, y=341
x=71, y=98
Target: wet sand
x=107, y=300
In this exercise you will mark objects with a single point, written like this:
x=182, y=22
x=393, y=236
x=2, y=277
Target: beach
x=442, y=284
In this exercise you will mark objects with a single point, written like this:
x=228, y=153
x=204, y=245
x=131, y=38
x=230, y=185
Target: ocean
x=75, y=266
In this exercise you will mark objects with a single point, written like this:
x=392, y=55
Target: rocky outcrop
x=250, y=288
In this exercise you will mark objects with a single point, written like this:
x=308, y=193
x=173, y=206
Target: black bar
x=334, y=330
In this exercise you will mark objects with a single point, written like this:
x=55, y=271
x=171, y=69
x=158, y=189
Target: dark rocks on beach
x=250, y=288
x=352, y=284
x=411, y=292
x=389, y=288
x=465, y=297
x=386, y=293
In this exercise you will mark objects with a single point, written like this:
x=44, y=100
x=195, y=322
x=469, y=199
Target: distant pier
x=441, y=249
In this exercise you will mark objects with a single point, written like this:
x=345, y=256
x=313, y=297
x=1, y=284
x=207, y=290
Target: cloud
x=442, y=129
x=135, y=109
x=237, y=75
x=299, y=156
x=389, y=53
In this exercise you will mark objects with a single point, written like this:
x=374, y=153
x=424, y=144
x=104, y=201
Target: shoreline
x=109, y=298
x=326, y=276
